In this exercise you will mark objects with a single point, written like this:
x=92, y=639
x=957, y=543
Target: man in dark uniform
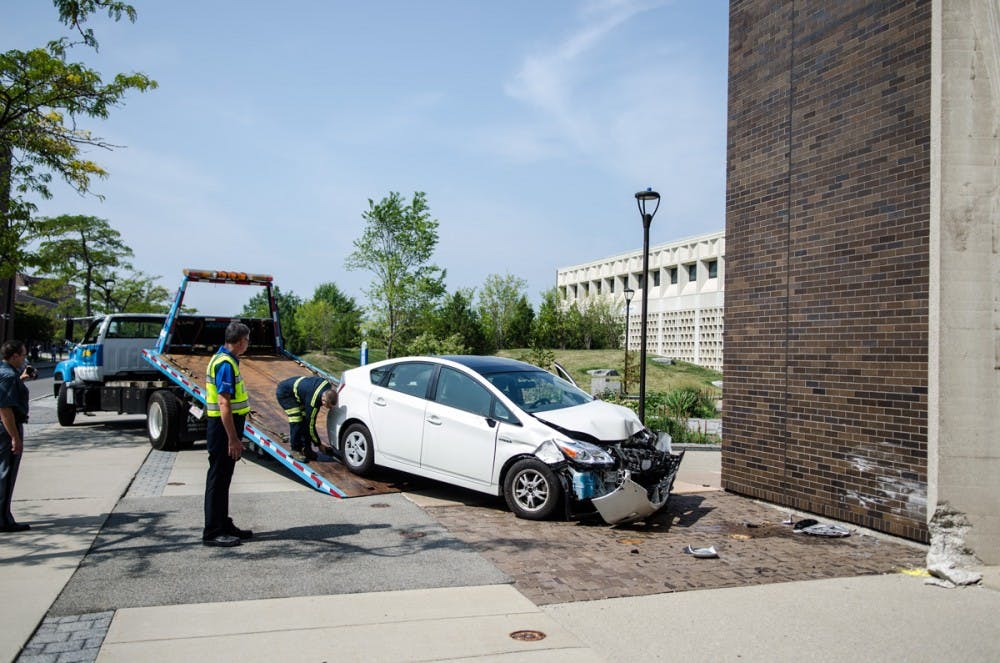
x=227, y=406
x=302, y=398
x=13, y=413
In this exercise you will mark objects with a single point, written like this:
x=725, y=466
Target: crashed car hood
x=602, y=420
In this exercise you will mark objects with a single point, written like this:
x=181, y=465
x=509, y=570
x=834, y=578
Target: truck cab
x=106, y=365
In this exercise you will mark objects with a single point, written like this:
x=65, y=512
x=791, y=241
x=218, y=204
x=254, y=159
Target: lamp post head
x=629, y=294
x=642, y=198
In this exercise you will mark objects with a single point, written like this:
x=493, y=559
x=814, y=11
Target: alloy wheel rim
x=531, y=490
x=356, y=448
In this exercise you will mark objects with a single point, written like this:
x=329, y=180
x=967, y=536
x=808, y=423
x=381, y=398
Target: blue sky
x=529, y=124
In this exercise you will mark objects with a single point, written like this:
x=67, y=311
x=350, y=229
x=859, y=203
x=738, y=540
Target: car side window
x=410, y=378
x=376, y=375
x=501, y=413
x=458, y=390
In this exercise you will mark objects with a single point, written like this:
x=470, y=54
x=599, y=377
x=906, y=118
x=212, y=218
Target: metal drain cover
x=527, y=635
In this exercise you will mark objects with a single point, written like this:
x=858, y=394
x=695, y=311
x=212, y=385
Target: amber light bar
x=223, y=276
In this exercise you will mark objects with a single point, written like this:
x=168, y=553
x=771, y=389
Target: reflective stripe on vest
x=239, y=403
x=317, y=393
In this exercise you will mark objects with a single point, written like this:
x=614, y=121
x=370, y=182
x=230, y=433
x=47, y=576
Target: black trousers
x=288, y=401
x=220, y=476
x=9, y=464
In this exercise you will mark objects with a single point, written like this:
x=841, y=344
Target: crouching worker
x=302, y=398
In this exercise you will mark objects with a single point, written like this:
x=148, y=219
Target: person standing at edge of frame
x=301, y=398
x=227, y=406
x=13, y=414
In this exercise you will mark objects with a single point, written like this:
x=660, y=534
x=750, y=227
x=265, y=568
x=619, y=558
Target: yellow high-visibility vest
x=239, y=403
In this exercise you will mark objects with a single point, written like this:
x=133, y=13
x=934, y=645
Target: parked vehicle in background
x=105, y=371
x=503, y=427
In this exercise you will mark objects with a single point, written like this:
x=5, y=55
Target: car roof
x=486, y=365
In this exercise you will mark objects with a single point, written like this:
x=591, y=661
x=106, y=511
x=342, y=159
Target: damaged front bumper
x=631, y=501
x=624, y=496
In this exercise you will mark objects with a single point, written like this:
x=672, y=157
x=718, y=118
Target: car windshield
x=538, y=391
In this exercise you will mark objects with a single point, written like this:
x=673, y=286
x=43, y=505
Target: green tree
x=521, y=322
x=346, y=329
x=315, y=323
x=288, y=306
x=498, y=301
x=82, y=251
x=134, y=292
x=573, y=327
x=550, y=325
x=43, y=100
x=35, y=324
x=396, y=245
x=456, y=316
x=428, y=344
x=602, y=325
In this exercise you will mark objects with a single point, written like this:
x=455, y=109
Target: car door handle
x=380, y=401
x=434, y=420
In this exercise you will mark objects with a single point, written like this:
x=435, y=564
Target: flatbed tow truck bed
x=262, y=375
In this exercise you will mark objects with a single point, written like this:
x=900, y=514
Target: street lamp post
x=642, y=199
x=629, y=294
x=107, y=294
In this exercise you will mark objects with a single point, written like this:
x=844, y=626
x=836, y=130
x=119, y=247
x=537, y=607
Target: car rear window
x=410, y=378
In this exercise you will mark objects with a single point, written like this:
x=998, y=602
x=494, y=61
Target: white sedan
x=503, y=427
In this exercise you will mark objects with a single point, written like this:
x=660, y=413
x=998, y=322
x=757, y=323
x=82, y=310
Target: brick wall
x=827, y=259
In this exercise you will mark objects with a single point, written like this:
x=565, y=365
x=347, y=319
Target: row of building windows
x=635, y=281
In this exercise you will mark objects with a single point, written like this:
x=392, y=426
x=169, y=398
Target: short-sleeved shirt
x=13, y=392
x=225, y=378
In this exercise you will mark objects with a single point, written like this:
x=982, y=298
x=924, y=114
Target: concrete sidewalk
x=72, y=479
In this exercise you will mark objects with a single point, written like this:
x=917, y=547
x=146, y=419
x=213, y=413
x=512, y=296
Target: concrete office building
x=685, y=305
x=863, y=288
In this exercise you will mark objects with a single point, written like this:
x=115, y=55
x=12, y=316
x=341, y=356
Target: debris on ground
x=949, y=553
x=701, y=553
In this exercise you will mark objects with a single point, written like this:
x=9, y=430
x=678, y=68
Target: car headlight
x=583, y=453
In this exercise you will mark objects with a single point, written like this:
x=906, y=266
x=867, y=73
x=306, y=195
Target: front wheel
x=163, y=421
x=65, y=412
x=532, y=489
x=356, y=449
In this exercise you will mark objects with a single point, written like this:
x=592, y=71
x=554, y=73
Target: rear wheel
x=163, y=421
x=356, y=449
x=532, y=489
x=65, y=412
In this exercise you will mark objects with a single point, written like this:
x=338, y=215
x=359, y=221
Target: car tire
x=65, y=412
x=356, y=449
x=163, y=421
x=532, y=489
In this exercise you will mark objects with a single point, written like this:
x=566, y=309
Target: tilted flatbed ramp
x=267, y=425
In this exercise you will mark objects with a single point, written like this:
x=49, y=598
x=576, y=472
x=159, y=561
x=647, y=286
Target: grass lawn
x=659, y=377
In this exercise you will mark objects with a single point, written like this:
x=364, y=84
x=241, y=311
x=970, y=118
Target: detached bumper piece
x=632, y=501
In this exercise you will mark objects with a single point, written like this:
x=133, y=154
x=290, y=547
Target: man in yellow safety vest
x=227, y=406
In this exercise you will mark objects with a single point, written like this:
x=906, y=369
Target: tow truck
x=175, y=414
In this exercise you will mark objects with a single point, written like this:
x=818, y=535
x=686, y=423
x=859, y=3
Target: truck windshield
x=92, y=332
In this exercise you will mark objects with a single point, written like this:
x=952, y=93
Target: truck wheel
x=356, y=449
x=163, y=421
x=65, y=412
x=532, y=490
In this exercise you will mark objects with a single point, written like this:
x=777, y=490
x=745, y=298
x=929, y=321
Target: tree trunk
x=8, y=281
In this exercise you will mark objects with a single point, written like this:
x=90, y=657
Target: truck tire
x=532, y=489
x=163, y=421
x=65, y=412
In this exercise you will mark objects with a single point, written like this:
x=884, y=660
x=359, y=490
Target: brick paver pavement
x=557, y=562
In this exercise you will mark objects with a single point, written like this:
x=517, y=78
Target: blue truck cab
x=105, y=371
